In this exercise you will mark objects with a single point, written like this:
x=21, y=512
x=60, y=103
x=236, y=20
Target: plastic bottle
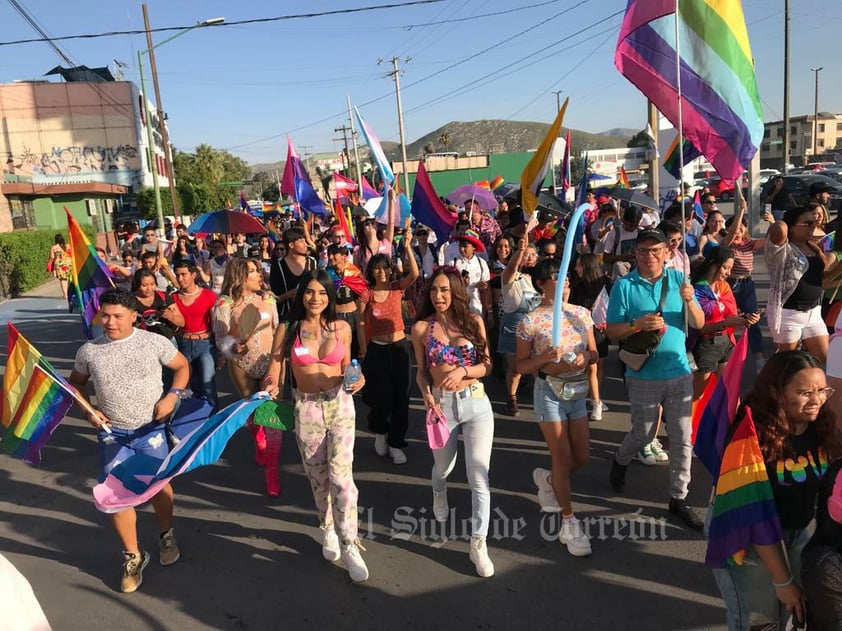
x=352, y=375
x=569, y=357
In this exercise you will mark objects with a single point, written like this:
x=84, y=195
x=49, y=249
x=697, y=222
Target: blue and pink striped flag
x=721, y=113
x=377, y=153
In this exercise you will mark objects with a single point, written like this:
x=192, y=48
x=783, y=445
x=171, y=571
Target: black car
x=799, y=186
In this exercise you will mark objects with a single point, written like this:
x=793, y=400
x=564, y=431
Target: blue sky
x=244, y=87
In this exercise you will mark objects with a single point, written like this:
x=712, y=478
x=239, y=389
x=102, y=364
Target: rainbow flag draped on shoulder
x=720, y=106
x=89, y=273
x=35, y=400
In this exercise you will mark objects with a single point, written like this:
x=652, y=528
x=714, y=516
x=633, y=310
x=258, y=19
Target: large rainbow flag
x=744, y=509
x=672, y=163
x=89, y=273
x=721, y=113
x=35, y=400
x=534, y=173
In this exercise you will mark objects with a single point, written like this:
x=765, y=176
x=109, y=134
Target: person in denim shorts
x=561, y=387
x=125, y=366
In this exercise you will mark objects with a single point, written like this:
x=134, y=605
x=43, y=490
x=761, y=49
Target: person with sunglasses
x=798, y=436
x=797, y=266
x=373, y=239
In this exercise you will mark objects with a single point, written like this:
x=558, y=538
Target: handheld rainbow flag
x=428, y=209
x=672, y=163
x=35, y=400
x=377, y=153
x=622, y=180
x=497, y=182
x=744, y=509
x=535, y=172
x=89, y=273
x=343, y=220
x=719, y=103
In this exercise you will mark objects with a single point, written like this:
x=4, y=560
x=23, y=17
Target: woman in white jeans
x=452, y=353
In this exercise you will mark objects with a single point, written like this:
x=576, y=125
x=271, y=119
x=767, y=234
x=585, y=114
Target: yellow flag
x=533, y=175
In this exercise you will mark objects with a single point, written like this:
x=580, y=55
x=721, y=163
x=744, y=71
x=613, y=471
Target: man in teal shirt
x=665, y=381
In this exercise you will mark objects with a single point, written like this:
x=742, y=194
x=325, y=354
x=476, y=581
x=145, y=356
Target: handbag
x=637, y=348
x=568, y=388
x=51, y=265
x=438, y=431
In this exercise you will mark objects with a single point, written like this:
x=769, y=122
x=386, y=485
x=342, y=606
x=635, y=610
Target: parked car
x=763, y=175
x=725, y=193
x=799, y=186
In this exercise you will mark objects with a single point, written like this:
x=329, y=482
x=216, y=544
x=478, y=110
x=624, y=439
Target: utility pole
x=557, y=99
x=816, y=112
x=786, y=86
x=164, y=134
x=356, y=151
x=306, y=154
x=346, y=157
x=396, y=74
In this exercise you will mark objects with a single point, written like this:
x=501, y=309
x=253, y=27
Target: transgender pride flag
x=377, y=154
x=720, y=106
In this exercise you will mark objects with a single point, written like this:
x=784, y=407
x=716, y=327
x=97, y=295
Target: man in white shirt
x=475, y=271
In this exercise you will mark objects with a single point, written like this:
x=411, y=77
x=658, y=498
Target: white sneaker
x=380, y=444
x=548, y=502
x=330, y=544
x=398, y=456
x=646, y=456
x=596, y=411
x=353, y=561
x=541, y=478
x=572, y=535
x=658, y=451
x=479, y=555
x=441, y=509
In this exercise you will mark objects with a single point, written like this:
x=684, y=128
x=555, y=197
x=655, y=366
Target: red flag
x=288, y=179
x=343, y=222
x=344, y=186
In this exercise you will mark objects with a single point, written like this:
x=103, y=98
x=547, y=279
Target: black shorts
x=710, y=352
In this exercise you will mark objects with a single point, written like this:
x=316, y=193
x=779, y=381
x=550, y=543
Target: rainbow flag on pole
x=672, y=165
x=89, y=273
x=721, y=113
x=35, y=400
x=532, y=178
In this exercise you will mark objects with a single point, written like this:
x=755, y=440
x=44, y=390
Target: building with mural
x=79, y=144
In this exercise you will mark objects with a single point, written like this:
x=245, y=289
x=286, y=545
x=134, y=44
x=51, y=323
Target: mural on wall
x=73, y=160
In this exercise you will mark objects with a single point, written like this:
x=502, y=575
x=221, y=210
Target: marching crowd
x=672, y=289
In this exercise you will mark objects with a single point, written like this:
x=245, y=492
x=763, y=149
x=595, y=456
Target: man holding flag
x=124, y=365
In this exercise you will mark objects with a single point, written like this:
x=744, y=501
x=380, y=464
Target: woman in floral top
x=60, y=257
x=561, y=387
x=245, y=320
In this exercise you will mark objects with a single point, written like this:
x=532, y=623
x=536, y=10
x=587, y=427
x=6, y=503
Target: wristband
x=465, y=368
x=784, y=584
x=181, y=394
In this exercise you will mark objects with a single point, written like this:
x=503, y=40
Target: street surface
x=250, y=562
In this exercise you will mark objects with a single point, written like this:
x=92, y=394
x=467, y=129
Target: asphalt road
x=253, y=562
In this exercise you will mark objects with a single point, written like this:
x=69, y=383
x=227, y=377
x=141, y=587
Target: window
x=793, y=129
x=766, y=132
x=765, y=146
x=821, y=127
x=838, y=126
x=780, y=133
x=821, y=142
x=793, y=145
x=22, y=215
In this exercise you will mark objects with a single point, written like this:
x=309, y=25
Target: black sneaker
x=680, y=509
x=617, y=476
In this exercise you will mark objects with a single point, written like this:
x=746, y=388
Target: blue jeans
x=200, y=356
x=745, y=294
x=473, y=415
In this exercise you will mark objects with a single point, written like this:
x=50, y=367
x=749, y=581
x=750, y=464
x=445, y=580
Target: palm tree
x=444, y=140
x=429, y=148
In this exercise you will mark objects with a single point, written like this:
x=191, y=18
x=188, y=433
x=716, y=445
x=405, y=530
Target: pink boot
x=259, y=433
x=272, y=455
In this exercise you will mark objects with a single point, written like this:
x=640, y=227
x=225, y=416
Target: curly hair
x=768, y=408
x=236, y=273
x=465, y=319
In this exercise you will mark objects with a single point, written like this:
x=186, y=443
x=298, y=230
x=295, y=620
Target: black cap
x=820, y=187
x=655, y=235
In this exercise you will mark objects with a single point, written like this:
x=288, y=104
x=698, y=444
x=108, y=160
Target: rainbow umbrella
x=226, y=222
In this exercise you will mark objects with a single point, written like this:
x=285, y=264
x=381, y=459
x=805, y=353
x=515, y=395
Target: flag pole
x=356, y=150
x=78, y=398
x=681, y=154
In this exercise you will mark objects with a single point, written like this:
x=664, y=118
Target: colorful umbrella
x=226, y=222
x=467, y=192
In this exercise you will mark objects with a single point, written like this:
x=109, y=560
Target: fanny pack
x=639, y=347
x=567, y=388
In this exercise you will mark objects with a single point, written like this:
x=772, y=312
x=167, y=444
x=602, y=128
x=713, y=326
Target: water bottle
x=569, y=357
x=352, y=375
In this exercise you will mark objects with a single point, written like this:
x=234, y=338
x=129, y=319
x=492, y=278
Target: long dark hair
x=140, y=274
x=297, y=311
x=378, y=260
x=714, y=258
x=493, y=253
x=465, y=319
x=585, y=290
x=768, y=407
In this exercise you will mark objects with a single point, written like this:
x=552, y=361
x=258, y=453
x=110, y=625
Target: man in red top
x=196, y=342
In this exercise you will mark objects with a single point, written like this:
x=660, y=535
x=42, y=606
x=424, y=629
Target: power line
x=279, y=18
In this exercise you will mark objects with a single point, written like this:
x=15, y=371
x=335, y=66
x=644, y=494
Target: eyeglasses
x=649, y=251
x=675, y=240
x=808, y=224
x=710, y=201
x=822, y=393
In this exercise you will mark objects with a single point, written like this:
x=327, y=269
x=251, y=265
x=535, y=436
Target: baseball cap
x=654, y=235
x=820, y=187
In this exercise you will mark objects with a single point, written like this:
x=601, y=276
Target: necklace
x=192, y=293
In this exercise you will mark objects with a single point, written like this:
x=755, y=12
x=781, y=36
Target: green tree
x=200, y=174
x=444, y=140
x=640, y=139
x=146, y=203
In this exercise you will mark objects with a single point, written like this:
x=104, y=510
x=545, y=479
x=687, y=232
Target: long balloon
x=562, y=271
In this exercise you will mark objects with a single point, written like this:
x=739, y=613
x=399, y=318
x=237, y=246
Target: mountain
x=499, y=136
x=268, y=167
x=619, y=131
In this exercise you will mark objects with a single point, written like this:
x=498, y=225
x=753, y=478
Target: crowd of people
x=288, y=315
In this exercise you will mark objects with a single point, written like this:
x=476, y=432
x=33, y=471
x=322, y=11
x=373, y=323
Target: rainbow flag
x=744, y=509
x=428, y=209
x=343, y=220
x=483, y=184
x=623, y=180
x=497, y=182
x=535, y=172
x=35, y=400
x=89, y=273
x=671, y=163
x=720, y=105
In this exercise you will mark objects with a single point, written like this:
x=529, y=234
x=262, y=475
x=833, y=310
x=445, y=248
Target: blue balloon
x=569, y=242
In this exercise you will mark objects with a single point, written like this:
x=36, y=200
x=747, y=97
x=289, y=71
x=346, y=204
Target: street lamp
x=160, y=110
x=816, y=111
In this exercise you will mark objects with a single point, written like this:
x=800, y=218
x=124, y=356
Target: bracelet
x=465, y=368
x=784, y=584
x=268, y=381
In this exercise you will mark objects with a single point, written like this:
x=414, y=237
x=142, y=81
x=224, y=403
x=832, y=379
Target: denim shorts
x=120, y=444
x=550, y=409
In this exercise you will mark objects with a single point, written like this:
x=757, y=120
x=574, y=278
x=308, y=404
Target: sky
x=245, y=87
